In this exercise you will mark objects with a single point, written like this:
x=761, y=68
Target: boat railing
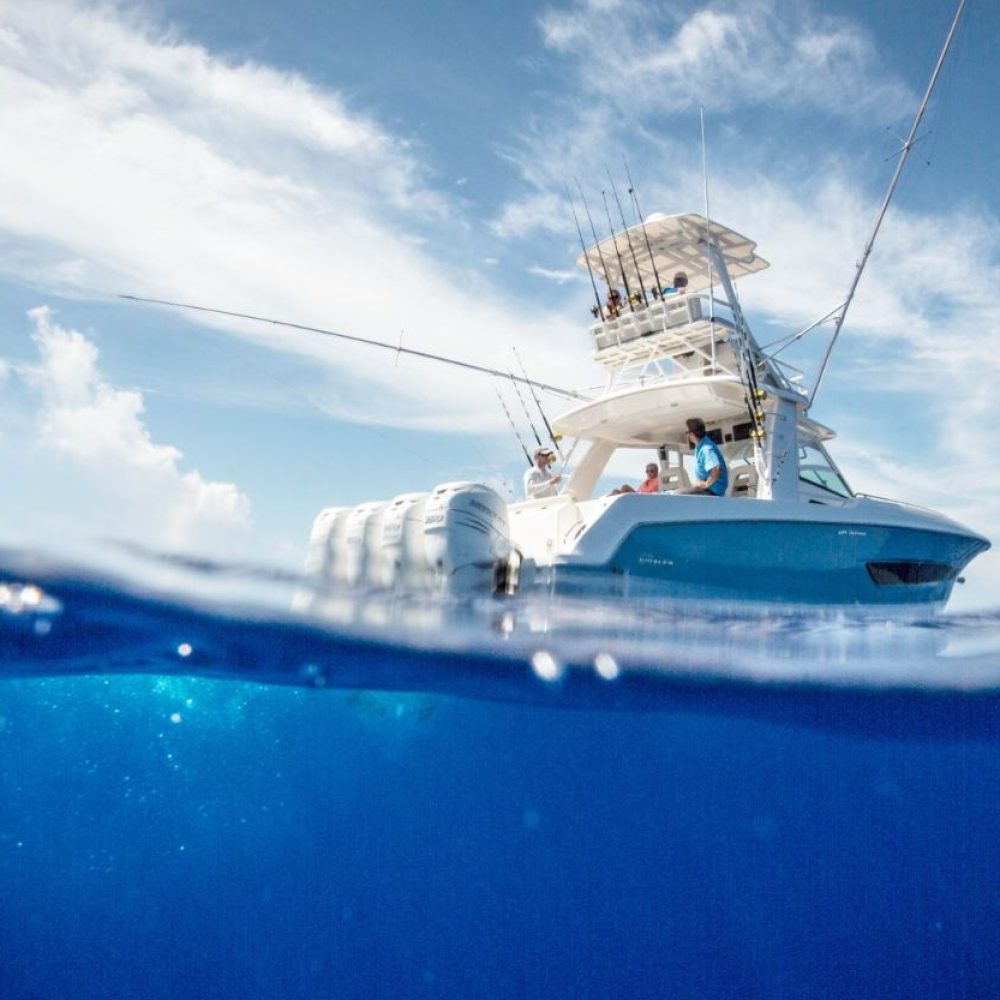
x=675, y=324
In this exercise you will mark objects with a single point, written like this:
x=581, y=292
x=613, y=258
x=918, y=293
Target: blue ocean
x=207, y=794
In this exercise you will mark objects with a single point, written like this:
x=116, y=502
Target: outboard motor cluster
x=454, y=540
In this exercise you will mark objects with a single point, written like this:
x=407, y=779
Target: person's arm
x=536, y=481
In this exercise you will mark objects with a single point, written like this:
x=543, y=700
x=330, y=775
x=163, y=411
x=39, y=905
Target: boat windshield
x=816, y=469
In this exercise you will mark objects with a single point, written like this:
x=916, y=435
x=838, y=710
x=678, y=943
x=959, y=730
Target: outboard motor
x=467, y=537
x=403, y=557
x=319, y=555
x=357, y=561
x=324, y=545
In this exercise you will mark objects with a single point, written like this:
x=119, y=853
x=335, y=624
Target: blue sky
x=378, y=169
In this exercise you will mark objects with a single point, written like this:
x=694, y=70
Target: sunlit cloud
x=550, y=274
x=93, y=437
x=148, y=165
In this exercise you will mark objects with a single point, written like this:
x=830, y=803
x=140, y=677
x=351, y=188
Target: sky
x=396, y=172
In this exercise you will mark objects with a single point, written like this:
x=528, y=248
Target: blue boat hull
x=794, y=562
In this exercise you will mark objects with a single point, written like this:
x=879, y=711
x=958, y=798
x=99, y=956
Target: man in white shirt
x=537, y=481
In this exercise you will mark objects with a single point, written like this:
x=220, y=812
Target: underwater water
x=205, y=794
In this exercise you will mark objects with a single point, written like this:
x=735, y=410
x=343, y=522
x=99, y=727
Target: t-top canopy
x=678, y=245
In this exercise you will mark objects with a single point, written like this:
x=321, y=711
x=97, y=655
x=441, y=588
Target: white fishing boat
x=787, y=529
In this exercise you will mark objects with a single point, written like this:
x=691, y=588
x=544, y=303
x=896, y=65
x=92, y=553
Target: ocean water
x=206, y=794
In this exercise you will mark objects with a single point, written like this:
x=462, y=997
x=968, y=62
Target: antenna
x=904, y=153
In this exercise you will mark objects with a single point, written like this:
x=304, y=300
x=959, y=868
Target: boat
x=787, y=530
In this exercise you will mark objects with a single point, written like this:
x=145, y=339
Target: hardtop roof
x=678, y=244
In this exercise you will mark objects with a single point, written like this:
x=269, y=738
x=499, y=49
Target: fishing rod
x=586, y=257
x=513, y=427
x=597, y=242
x=628, y=236
x=553, y=437
x=638, y=214
x=618, y=253
x=524, y=406
x=397, y=349
x=904, y=153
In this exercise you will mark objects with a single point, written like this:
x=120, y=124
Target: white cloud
x=559, y=277
x=97, y=435
x=646, y=55
x=544, y=210
x=942, y=479
x=640, y=70
x=139, y=162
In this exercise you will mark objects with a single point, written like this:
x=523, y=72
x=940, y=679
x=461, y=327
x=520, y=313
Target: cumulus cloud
x=97, y=434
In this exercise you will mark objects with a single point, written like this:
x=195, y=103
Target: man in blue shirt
x=711, y=477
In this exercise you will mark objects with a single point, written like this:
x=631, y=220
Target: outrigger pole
x=904, y=153
x=397, y=349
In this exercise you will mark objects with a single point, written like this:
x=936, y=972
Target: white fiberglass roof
x=677, y=243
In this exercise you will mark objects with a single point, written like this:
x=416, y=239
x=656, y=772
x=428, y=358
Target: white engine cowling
x=319, y=556
x=404, y=554
x=467, y=536
x=357, y=562
x=324, y=542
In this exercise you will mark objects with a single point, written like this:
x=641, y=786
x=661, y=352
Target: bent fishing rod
x=396, y=349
